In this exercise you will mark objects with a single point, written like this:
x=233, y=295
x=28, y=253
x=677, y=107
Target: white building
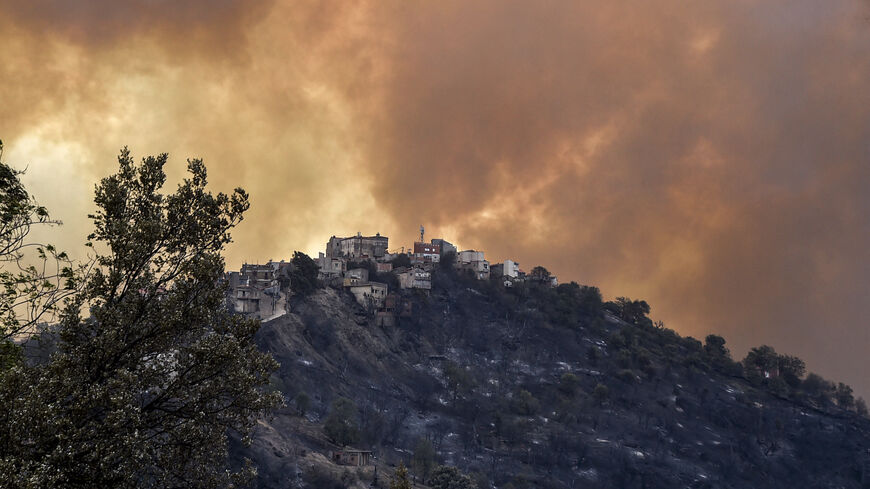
x=511, y=269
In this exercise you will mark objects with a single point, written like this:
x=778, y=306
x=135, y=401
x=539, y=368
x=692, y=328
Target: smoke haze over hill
x=711, y=158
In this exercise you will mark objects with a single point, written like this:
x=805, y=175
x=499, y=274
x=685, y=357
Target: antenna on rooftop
x=422, y=230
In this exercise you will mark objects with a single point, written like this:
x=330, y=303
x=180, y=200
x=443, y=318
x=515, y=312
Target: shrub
x=601, y=393
x=525, y=403
x=341, y=425
x=626, y=376
x=568, y=384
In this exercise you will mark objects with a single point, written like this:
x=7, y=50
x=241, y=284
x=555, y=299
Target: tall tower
x=422, y=230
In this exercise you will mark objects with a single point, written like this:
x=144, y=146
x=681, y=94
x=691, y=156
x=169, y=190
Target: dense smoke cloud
x=709, y=157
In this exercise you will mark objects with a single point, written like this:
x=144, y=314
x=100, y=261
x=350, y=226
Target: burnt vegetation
x=539, y=386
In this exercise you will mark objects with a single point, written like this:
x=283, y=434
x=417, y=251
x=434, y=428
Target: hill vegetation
x=535, y=386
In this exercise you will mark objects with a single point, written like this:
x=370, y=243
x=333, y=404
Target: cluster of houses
x=355, y=263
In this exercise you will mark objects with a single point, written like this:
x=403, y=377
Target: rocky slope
x=537, y=387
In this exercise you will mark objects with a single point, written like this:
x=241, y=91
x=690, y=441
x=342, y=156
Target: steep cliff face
x=537, y=387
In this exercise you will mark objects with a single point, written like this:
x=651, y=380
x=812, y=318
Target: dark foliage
x=303, y=274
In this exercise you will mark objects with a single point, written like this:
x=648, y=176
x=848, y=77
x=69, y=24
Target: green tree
x=400, y=478
x=341, y=425
x=760, y=363
x=791, y=369
x=401, y=260
x=303, y=274
x=714, y=345
x=861, y=407
x=424, y=459
x=525, y=403
x=458, y=379
x=34, y=278
x=302, y=402
x=447, y=477
x=632, y=311
x=569, y=384
x=146, y=386
x=844, y=396
x=601, y=393
x=817, y=387
x=540, y=274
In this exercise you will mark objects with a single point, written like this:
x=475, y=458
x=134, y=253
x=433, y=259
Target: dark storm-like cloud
x=709, y=157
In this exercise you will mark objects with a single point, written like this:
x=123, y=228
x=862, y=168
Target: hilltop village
x=377, y=278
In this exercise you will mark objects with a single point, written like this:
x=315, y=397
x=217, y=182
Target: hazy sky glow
x=712, y=158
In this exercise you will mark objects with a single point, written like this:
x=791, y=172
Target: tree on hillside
x=760, y=363
x=447, y=477
x=844, y=396
x=817, y=387
x=540, y=274
x=448, y=261
x=601, y=393
x=341, y=426
x=424, y=460
x=791, y=369
x=400, y=478
x=632, y=311
x=303, y=273
x=459, y=381
x=714, y=345
x=151, y=371
x=861, y=407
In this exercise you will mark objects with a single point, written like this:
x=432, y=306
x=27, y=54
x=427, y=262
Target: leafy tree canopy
x=151, y=371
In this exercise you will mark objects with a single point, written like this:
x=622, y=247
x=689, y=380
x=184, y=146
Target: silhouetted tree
x=151, y=371
x=632, y=311
x=791, y=369
x=760, y=363
x=540, y=274
x=401, y=260
x=714, y=345
x=303, y=273
x=817, y=387
x=861, y=407
x=844, y=396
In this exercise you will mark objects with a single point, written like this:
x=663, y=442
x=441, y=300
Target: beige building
x=474, y=261
x=356, y=276
x=370, y=295
x=358, y=247
x=255, y=290
x=415, y=278
x=330, y=267
x=350, y=456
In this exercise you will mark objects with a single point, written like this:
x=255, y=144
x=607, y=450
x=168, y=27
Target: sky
x=712, y=158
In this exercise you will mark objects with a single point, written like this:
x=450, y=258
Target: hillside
x=534, y=386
